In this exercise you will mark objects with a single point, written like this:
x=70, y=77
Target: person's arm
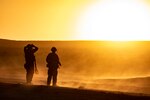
x=59, y=63
x=25, y=48
x=35, y=48
x=48, y=58
x=36, y=70
x=58, y=60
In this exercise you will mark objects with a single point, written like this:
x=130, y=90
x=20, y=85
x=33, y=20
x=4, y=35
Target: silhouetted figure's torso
x=53, y=61
x=29, y=57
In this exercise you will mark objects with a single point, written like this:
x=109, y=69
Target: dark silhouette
x=53, y=64
x=30, y=61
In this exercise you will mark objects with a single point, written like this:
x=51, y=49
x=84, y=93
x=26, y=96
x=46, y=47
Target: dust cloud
x=100, y=65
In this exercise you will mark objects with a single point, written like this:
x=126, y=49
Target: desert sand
x=91, y=70
x=9, y=91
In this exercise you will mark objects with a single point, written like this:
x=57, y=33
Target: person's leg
x=49, y=77
x=55, y=77
x=27, y=77
x=30, y=75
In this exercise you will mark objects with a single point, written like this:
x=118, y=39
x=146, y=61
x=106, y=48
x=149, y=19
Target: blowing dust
x=96, y=65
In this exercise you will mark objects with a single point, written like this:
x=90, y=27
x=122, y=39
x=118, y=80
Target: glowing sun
x=115, y=20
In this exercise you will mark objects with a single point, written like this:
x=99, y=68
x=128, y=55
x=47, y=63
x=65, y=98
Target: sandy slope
x=102, y=61
x=10, y=91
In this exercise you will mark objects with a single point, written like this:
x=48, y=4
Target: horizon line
x=76, y=40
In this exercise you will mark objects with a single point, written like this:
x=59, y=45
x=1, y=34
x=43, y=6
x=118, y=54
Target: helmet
x=53, y=49
x=29, y=46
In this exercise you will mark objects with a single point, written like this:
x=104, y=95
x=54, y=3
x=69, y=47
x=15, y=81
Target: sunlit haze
x=117, y=20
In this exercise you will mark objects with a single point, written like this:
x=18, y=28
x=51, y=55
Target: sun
x=115, y=20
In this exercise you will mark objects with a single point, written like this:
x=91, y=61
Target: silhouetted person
x=53, y=64
x=30, y=61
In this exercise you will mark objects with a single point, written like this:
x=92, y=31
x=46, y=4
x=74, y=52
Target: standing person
x=53, y=64
x=30, y=61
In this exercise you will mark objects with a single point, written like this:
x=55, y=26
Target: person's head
x=29, y=46
x=53, y=49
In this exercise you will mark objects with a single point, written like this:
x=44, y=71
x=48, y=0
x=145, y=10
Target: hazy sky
x=75, y=19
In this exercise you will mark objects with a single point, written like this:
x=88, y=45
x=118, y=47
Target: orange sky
x=41, y=19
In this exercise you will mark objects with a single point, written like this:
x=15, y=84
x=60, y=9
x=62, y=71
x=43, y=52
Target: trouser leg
x=55, y=77
x=29, y=75
x=49, y=77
